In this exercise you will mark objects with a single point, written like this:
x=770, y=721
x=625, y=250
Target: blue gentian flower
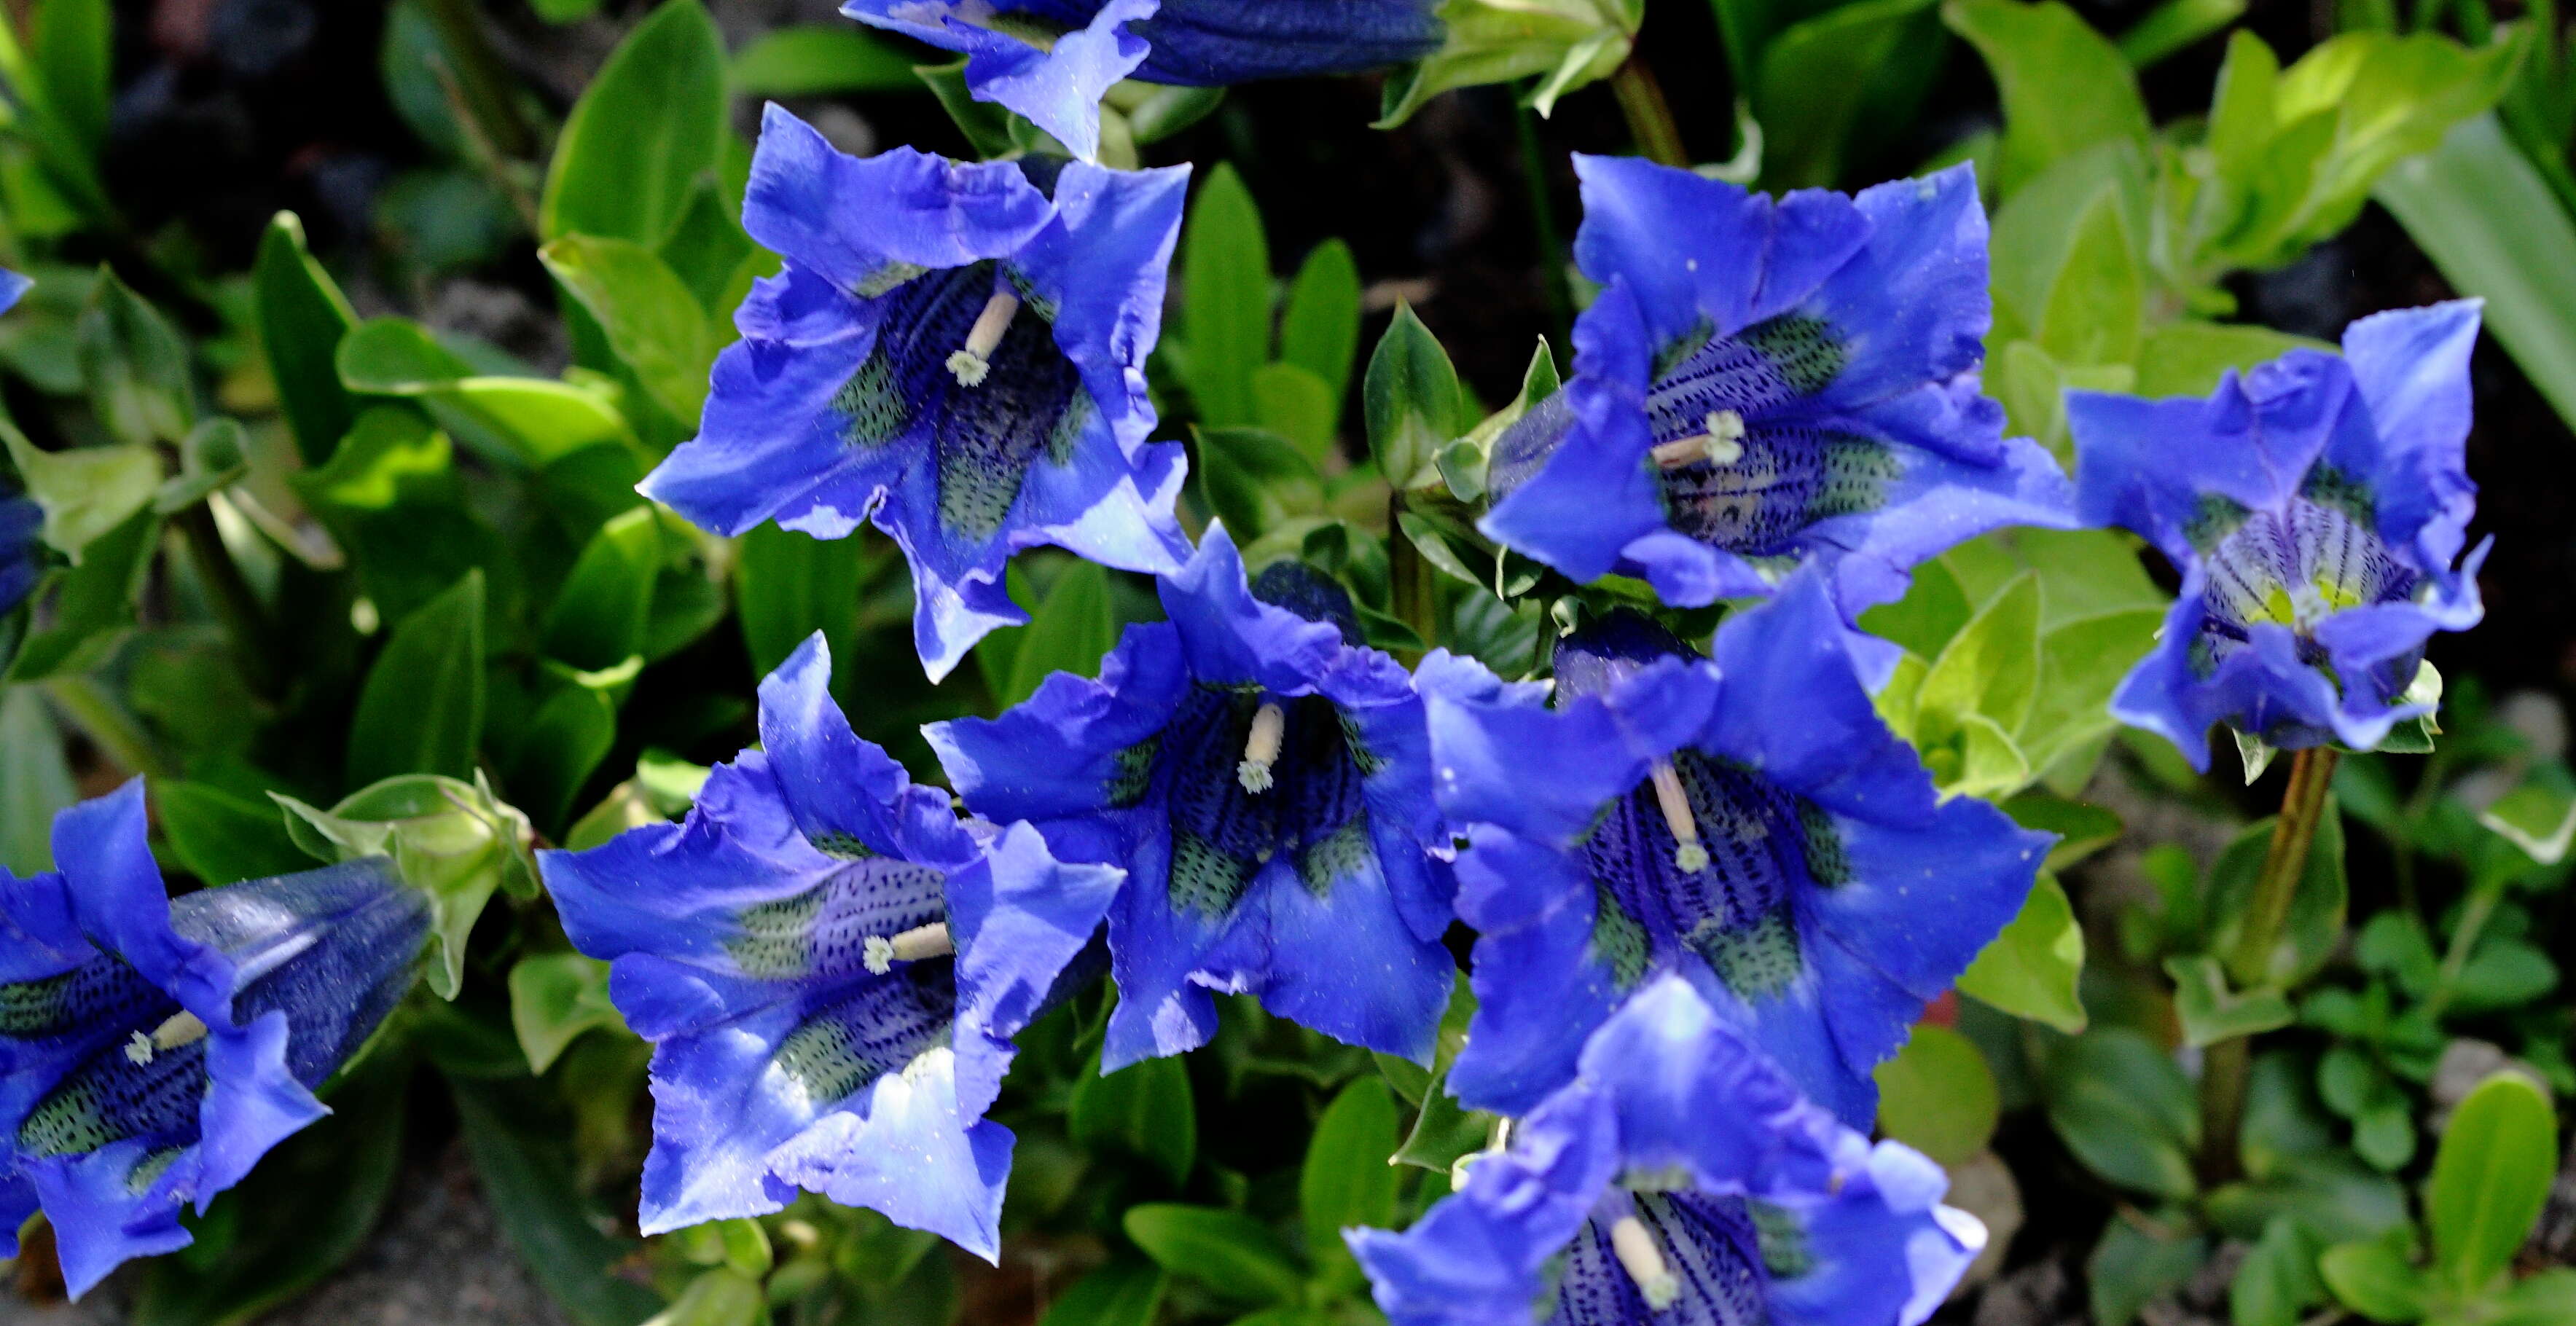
x=1050, y=60
x=1680, y=1178
x=957, y=349
x=151, y=1050
x=1748, y=823
x=1764, y=383
x=2316, y=507
x=830, y=967
x=20, y=517
x=1265, y=780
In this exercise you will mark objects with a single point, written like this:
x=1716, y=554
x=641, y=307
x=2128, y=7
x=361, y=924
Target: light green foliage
x=1225, y=285
x=1411, y=401
x=1146, y=1110
x=656, y=326
x=1938, y=1096
x=1350, y=1177
x=2031, y=970
x=643, y=132
x=422, y=709
x=2125, y=1110
x=2065, y=87
x=1072, y=626
x=1562, y=44
x=450, y=839
x=1830, y=89
x=818, y=59
x=302, y=317
x=35, y=782
x=554, y=998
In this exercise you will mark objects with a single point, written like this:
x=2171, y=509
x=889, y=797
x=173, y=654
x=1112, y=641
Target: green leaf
x=394, y=500
x=1167, y=110
x=2187, y=358
x=554, y=998
x=1822, y=82
x=2490, y=1179
x=2097, y=308
x=1411, y=401
x=72, y=46
x=708, y=250
x=1144, y=1110
x=1122, y=1292
x=654, y=323
x=2131, y=1266
x=2125, y=1110
x=1349, y=1178
x=1256, y=481
x=647, y=127
x=1225, y=299
x=223, y=837
x=94, y=604
x=422, y=707
x=85, y=492
x=2331, y=1194
x=310, y=1206
x=2496, y=231
x=720, y=1297
x=134, y=365
x=2033, y=967
x=822, y=59
x=1071, y=627
x=564, y=11
x=571, y=732
x=1295, y=404
x=2211, y=1012
x=450, y=839
x=302, y=319
x=2315, y=925
x=35, y=781
x=2064, y=86
x=2545, y=1299
x=788, y=585
x=2173, y=25
x=215, y=456
x=396, y=357
x=527, y=1176
x=1320, y=329
x=1231, y=1254
x=599, y=617
x=1938, y=1096
x=1991, y=666
x=2082, y=828
x=987, y=127
x=2375, y=1279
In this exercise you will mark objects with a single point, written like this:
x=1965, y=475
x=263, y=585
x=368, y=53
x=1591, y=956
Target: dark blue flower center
x=1731, y=907
x=1223, y=832
x=1742, y=465
x=1027, y=405
x=2295, y=567
x=856, y=1022
x=1211, y=43
x=334, y=949
x=1717, y=1257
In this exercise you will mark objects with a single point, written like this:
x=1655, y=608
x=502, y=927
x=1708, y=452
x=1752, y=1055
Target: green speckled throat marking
x=110, y=1098
x=1618, y=940
x=2216, y=518
x=772, y=941
x=1827, y=863
x=870, y=1029
x=2328, y=486
x=841, y=846
x=1224, y=835
x=1804, y=351
x=1783, y=1240
x=1756, y=963
x=103, y=987
x=1337, y=855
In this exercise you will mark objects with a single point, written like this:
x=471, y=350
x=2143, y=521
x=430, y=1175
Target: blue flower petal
x=1707, y=257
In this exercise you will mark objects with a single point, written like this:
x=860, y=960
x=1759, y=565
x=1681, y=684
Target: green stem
x=2474, y=915
x=481, y=81
x=1410, y=590
x=229, y=593
x=1650, y=117
x=86, y=704
x=2223, y=1071
x=1551, y=243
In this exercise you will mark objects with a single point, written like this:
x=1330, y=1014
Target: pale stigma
x=1688, y=854
x=180, y=1028
x=1723, y=443
x=881, y=952
x=975, y=362
x=1644, y=1262
x=1261, y=748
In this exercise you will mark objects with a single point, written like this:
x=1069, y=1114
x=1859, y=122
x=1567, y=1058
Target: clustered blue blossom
x=2316, y=507
x=151, y=1049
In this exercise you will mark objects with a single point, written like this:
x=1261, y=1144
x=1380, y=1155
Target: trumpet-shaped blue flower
x=20, y=517
x=1679, y=1178
x=1265, y=781
x=152, y=1051
x=1749, y=824
x=2316, y=507
x=1050, y=60
x=955, y=351
x=830, y=967
x=1764, y=383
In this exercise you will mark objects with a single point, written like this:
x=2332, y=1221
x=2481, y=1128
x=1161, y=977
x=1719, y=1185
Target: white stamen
x=881, y=953
x=973, y=363
x=1261, y=747
x=1722, y=442
x=138, y=1050
x=1644, y=1262
x=1688, y=855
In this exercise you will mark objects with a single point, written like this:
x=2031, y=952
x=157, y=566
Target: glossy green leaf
x=788, y=585
x=1349, y=1178
x=986, y=126
x=93, y=603
x=449, y=838
x=1938, y=1096
x=600, y=616
x=2132, y=1265
x=2376, y=1280
x=35, y=781
x=708, y=250
x=527, y=1176
x=1122, y=1292
x=1319, y=331
x=1295, y=404
x=822, y=59
x=2064, y=86
x=394, y=500
x=2096, y=309
x=1145, y=1110
x=1823, y=82
x=1167, y=110
x=302, y=318
x=2277, y=1281
x=2173, y=25
x=572, y=730
x=85, y=492
x=654, y=323
x=2125, y=1110
x=2082, y=829
x=1231, y=1254
x=2033, y=967
x=2187, y=358
x=1225, y=299
x=554, y=998
x=649, y=125
x=1072, y=626
x=1991, y=666
x=222, y=836
x=1256, y=481
x=422, y=708
x=134, y=365
x=72, y=47
x=2491, y=224
x=2211, y=1012
x=1411, y=401
x=2490, y=1179
x=215, y=456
